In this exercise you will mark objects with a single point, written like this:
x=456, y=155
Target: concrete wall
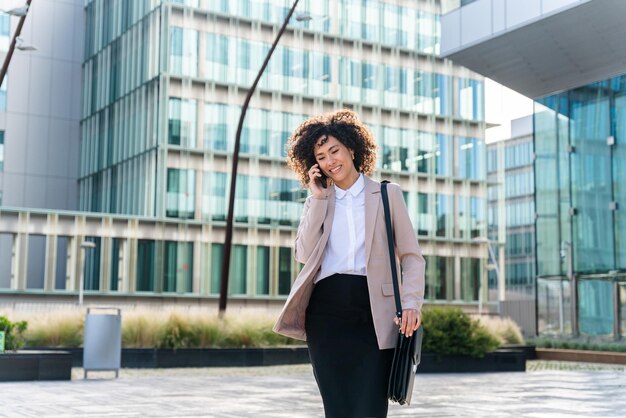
x=44, y=94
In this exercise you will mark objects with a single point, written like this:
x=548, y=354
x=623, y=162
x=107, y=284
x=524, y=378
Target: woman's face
x=336, y=161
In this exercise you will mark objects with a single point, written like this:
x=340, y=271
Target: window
x=262, y=270
x=284, y=270
x=444, y=215
x=425, y=223
x=3, y=95
x=595, y=314
x=182, y=122
x=237, y=284
x=145, y=265
x=470, y=99
x=5, y=31
x=180, y=193
x=184, y=52
x=192, y=3
x=1, y=150
x=439, y=278
x=470, y=278
x=177, y=266
x=217, y=256
x=217, y=58
x=92, y=265
x=471, y=155
x=115, y=263
x=217, y=129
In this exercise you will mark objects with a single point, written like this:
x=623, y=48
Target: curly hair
x=343, y=125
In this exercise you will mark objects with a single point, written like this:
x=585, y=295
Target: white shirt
x=345, y=250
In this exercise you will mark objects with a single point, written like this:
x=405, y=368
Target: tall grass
x=504, y=329
x=55, y=329
x=144, y=328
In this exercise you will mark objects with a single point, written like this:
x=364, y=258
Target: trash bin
x=102, y=345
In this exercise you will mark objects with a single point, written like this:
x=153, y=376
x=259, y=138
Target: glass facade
x=511, y=214
x=5, y=32
x=1, y=151
x=579, y=172
x=164, y=82
x=3, y=94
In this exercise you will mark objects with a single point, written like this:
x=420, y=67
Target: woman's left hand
x=411, y=321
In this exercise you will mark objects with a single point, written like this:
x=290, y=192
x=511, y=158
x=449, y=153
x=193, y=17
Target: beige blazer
x=311, y=239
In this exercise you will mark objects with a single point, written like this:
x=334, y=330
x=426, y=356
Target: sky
x=501, y=106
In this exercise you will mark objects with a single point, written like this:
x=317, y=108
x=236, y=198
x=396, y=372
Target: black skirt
x=351, y=372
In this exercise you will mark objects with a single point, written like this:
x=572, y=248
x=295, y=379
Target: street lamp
x=21, y=12
x=492, y=264
x=233, y=174
x=19, y=44
x=83, y=247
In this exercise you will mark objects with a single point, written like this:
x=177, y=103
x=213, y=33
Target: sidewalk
x=547, y=390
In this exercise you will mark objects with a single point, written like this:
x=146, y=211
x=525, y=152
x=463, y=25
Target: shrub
x=504, y=329
x=13, y=333
x=451, y=331
x=177, y=332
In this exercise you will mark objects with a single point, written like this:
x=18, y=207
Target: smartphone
x=323, y=180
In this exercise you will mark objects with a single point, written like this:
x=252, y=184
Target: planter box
x=585, y=356
x=204, y=357
x=35, y=365
x=504, y=360
x=213, y=357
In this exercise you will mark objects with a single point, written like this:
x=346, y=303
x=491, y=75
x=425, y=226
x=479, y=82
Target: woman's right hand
x=314, y=184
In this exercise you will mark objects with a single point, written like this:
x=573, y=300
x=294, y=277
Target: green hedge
x=571, y=344
x=13, y=333
x=451, y=331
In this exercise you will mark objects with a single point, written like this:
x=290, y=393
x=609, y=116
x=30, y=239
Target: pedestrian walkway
x=548, y=390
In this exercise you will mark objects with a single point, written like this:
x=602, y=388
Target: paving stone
x=547, y=390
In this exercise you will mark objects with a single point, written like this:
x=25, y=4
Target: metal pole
x=233, y=174
x=561, y=309
x=7, y=59
x=617, y=320
x=83, y=251
x=495, y=264
x=573, y=288
x=81, y=284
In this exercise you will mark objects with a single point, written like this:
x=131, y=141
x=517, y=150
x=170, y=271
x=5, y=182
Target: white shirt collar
x=354, y=190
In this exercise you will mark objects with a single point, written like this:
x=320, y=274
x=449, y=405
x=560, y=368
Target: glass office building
x=580, y=181
x=511, y=202
x=163, y=87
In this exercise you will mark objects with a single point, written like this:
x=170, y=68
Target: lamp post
x=233, y=174
x=567, y=253
x=492, y=264
x=22, y=12
x=83, y=249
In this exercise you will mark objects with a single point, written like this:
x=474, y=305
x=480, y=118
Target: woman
x=342, y=301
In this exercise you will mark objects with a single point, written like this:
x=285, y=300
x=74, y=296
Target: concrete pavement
x=547, y=390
